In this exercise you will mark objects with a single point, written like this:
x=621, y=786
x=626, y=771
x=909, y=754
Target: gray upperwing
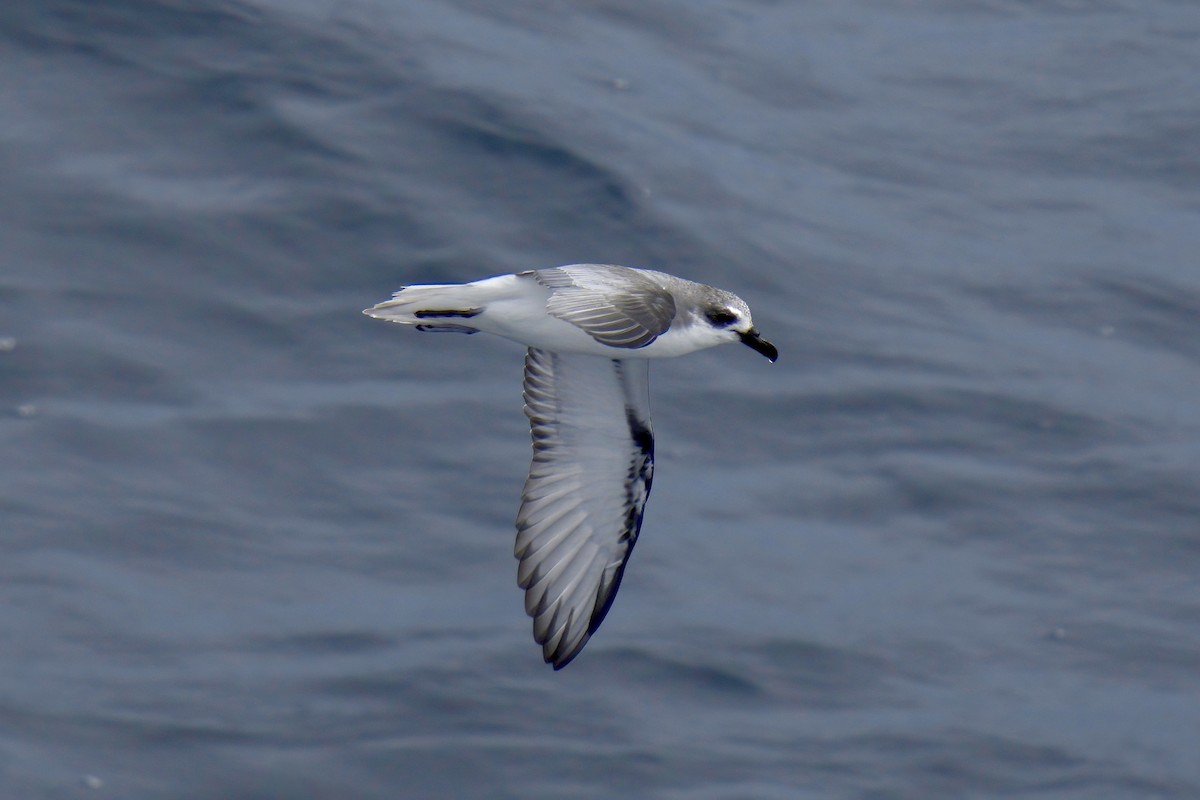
x=617, y=306
x=581, y=509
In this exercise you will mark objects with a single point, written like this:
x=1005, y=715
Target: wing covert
x=617, y=306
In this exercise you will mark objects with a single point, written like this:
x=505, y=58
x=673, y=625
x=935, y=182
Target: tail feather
x=423, y=305
x=446, y=327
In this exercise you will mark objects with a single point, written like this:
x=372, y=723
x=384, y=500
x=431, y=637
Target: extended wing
x=581, y=509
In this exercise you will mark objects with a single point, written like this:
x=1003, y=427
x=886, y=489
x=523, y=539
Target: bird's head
x=729, y=317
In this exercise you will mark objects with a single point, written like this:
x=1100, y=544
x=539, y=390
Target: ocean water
x=256, y=545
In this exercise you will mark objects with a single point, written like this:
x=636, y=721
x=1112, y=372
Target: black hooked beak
x=751, y=339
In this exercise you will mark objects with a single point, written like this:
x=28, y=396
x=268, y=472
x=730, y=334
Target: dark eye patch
x=720, y=317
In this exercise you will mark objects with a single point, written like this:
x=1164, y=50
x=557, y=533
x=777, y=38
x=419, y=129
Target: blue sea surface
x=256, y=545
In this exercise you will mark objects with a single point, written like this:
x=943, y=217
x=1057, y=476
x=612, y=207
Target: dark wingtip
x=559, y=659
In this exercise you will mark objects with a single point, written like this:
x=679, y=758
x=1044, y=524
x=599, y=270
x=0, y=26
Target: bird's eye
x=721, y=317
